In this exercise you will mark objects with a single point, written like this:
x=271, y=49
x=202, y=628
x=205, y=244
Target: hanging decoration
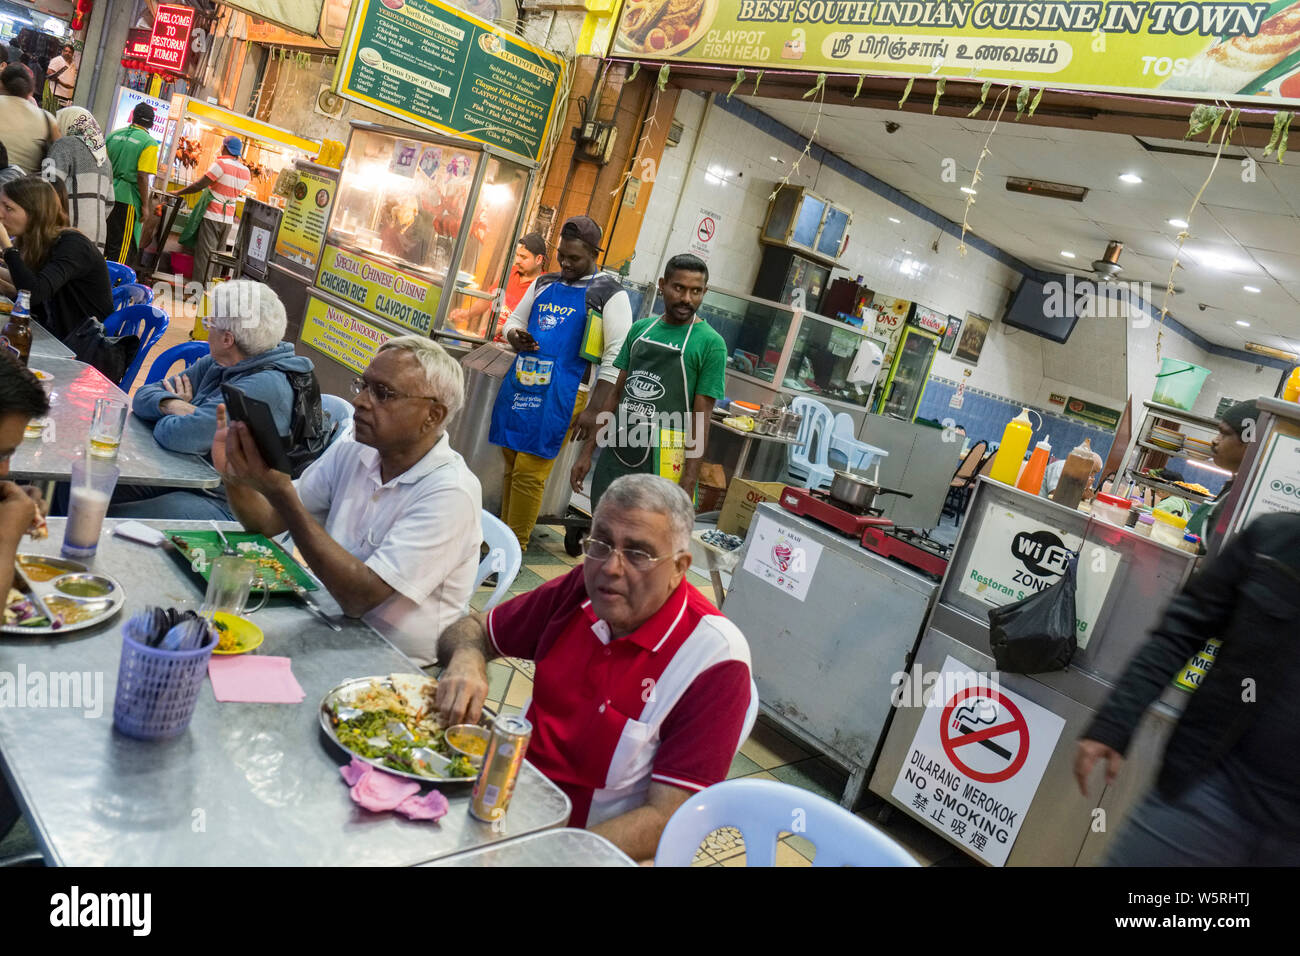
x=735, y=84
x=907, y=91
x=819, y=85
x=938, y=92
x=1281, y=130
x=663, y=77
x=975, y=176
x=636, y=68
x=984, y=93
x=858, y=89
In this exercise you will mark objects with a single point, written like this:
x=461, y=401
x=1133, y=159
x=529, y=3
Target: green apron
x=656, y=385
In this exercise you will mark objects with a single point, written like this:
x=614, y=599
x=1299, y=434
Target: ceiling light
x=1250, y=288
x=774, y=159
x=1132, y=178
x=1067, y=254
x=1243, y=323
x=892, y=219
x=1216, y=260
x=968, y=190
x=1179, y=223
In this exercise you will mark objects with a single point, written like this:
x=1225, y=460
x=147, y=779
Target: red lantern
x=80, y=13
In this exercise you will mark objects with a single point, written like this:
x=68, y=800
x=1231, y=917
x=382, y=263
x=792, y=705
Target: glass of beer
x=106, y=427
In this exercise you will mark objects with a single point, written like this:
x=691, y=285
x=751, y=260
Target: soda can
x=501, y=766
x=544, y=367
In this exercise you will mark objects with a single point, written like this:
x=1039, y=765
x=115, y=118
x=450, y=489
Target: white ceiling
x=1242, y=232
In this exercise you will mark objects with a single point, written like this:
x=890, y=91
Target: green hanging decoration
x=1286, y=133
x=663, y=78
x=735, y=85
x=984, y=94
x=907, y=91
x=1281, y=120
x=636, y=68
x=938, y=92
x=757, y=79
x=861, y=77
x=1202, y=118
x=1022, y=100
x=1038, y=98
x=820, y=84
x=1214, y=127
x=1233, y=118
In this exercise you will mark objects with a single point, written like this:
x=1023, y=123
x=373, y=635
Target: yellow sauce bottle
x=1292, y=391
x=1011, y=451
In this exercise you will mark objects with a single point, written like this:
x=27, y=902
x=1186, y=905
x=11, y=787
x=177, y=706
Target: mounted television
x=1052, y=306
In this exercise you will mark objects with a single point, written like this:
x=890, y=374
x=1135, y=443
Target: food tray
x=25, y=580
x=197, y=550
x=410, y=685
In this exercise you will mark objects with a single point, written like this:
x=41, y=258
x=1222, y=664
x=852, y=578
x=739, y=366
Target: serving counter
x=985, y=758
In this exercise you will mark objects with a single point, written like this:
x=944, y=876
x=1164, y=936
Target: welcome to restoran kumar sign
x=1170, y=47
x=169, y=43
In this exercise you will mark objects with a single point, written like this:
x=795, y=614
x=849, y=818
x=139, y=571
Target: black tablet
x=256, y=414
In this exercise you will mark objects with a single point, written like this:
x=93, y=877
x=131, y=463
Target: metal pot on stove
x=858, y=493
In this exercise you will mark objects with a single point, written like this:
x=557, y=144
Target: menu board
x=401, y=297
x=341, y=335
x=306, y=213
x=438, y=67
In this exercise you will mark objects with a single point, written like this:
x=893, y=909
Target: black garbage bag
x=1037, y=634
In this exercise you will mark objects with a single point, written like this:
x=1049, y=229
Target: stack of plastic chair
x=763, y=809
x=148, y=322
x=806, y=460
x=119, y=274
x=131, y=293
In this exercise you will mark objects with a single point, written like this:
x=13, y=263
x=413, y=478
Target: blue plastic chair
x=119, y=274
x=504, y=557
x=187, y=352
x=339, y=412
x=763, y=809
x=147, y=321
x=132, y=293
x=806, y=461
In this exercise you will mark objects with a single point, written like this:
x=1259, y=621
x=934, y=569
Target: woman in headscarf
x=79, y=160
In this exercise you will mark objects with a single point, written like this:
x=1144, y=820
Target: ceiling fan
x=1108, y=269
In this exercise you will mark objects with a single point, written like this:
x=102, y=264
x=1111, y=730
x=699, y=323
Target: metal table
x=750, y=437
x=142, y=460
x=550, y=848
x=45, y=345
x=246, y=784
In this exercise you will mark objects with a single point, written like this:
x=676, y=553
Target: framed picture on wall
x=950, y=335
x=971, y=341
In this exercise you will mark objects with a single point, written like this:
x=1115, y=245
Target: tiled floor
x=766, y=755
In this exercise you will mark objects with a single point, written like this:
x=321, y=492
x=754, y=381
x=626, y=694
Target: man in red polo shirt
x=643, y=692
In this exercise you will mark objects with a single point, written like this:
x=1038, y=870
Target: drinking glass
x=91, y=490
x=229, y=585
x=106, y=427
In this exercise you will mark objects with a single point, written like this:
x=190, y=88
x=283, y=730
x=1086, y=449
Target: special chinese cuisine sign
x=169, y=43
x=1175, y=47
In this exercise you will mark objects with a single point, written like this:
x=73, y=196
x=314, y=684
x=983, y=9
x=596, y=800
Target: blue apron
x=535, y=404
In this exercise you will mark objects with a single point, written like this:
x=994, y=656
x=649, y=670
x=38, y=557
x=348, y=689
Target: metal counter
x=245, y=784
x=1125, y=582
x=568, y=848
x=45, y=345
x=825, y=664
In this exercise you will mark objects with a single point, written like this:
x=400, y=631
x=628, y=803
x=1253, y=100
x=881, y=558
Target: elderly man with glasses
x=388, y=518
x=643, y=692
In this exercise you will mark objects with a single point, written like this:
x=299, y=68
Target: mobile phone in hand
x=256, y=414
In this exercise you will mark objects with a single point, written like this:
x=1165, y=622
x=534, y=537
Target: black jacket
x=72, y=285
x=1248, y=597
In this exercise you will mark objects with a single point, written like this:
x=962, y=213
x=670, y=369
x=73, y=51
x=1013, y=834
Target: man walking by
x=226, y=180
x=133, y=154
x=672, y=370
x=565, y=321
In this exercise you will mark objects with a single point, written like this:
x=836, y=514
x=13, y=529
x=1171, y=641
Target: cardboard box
x=743, y=496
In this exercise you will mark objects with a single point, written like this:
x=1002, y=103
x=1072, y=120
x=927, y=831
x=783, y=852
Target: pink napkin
x=375, y=790
x=251, y=679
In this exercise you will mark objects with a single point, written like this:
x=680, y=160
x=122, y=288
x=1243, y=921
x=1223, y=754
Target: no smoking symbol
x=981, y=717
x=706, y=229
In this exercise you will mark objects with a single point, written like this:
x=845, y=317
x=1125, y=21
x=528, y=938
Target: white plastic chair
x=504, y=557
x=338, y=410
x=763, y=809
x=857, y=455
x=806, y=461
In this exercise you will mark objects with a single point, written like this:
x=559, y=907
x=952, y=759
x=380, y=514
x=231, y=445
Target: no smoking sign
x=705, y=230
x=984, y=735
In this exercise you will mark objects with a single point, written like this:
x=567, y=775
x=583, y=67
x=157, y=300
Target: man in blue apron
x=565, y=322
x=673, y=370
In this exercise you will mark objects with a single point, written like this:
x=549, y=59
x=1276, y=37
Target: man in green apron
x=133, y=154
x=673, y=370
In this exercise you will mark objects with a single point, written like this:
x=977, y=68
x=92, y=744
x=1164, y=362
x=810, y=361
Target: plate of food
x=664, y=27
x=275, y=567
x=390, y=723
x=235, y=635
x=57, y=596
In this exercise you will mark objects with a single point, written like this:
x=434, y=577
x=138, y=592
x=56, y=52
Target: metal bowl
x=106, y=585
x=472, y=730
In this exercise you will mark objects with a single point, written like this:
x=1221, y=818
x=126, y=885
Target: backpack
x=308, y=436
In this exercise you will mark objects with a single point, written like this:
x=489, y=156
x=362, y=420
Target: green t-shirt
x=705, y=358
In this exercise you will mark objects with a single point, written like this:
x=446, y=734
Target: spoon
x=225, y=545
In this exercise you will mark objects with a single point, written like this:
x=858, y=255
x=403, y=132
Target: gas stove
x=820, y=507
x=908, y=547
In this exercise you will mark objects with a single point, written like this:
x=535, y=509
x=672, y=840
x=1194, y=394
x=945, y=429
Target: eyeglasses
x=381, y=393
x=638, y=560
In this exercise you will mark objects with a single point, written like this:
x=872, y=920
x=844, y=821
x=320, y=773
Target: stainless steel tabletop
x=73, y=392
x=246, y=783
x=567, y=847
x=44, y=344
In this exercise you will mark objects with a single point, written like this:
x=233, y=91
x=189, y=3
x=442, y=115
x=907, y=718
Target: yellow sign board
x=401, y=297
x=341, y=335
x=1190, y=677
x=1198, y=48
x=302, y=230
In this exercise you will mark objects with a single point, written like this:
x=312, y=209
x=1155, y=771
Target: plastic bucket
x=157, y=690
x=1178, y=383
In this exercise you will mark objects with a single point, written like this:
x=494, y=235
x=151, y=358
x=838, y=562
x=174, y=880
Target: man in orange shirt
x=530, y=259
x=227, y=178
